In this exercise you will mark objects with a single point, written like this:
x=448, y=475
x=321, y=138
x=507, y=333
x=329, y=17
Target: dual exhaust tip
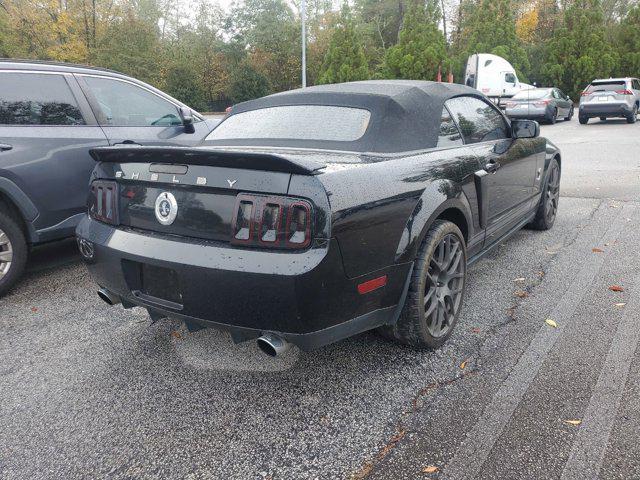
x=270, y=343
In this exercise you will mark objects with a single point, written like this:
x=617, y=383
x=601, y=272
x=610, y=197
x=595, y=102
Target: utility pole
x=303, y=16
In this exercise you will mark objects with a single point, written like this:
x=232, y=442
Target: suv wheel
x=583, y=120
x=13, y=252
x=634, y=115
x=434, y=299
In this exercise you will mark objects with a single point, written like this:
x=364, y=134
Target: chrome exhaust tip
x=108, y=297
x=272, y=344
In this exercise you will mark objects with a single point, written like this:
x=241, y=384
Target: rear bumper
x=305, y=297
x=617, y=109
x=531, y=112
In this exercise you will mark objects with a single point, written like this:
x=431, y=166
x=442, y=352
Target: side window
x=37, y=99
x=449, y=135
x=125, y=104
x=636, y=84
x=478, y=121
x=510, y=78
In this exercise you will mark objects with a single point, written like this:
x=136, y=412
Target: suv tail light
x=585, y=94
x=276, y=222
x=624, y=92
x=103, y=201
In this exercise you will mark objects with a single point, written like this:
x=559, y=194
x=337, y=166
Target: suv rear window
x=37, y=99
x=531, y=94
x=606, y=86
x=302, y=122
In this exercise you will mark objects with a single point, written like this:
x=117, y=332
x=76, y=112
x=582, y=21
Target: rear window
x=531, y=94
x=299, y=122
x=606, y=86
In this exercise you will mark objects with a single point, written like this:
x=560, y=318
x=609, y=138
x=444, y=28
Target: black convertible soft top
x=405, y=114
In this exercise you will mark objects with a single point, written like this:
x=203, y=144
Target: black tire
x=634, y=115
x=602, y=119
x=554, y=117
x=548, y=206
x=426, y=292
x=570, y=115
x=13, y=246
x=583, y=120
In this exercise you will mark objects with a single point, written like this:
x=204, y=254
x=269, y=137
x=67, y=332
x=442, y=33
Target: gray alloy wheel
x=634, y=115
x=444, y=286
x=436, y=289
x=548, y=206
x=570, y=116
x=6, y=254
x=554, y=117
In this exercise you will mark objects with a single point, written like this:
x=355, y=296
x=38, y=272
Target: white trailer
x=493, y=76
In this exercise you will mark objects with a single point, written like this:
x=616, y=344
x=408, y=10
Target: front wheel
x=583, y=120
x=548, y=206
x=434, y=299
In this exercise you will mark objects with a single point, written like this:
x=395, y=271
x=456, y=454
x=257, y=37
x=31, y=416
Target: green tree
x=628, y=43
x=580, y=51
x=247, y=83
x=182, y=83
x=489, y=26
x=422, y=47
x=345, y=60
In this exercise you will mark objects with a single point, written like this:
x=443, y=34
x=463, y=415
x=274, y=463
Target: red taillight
x=624, y=92
x=276, y=222
x=371, y=285
x=541, y=103
x=585, y=94
x=103, y=202
x=510, y=104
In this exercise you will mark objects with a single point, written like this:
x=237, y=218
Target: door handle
x=492, y=166
x=5, y=146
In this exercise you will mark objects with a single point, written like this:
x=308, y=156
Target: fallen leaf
x=475, y=330
x=616, y=288
x=551, y=323
x=34, y=309
x=620, y=304
x=613, y=206
x=463, y=364
x=519, y=279
x=573, y=422
x=176, y=334
x=521, y=294
x=541, y=273
x=597, y=250
x=430, y=469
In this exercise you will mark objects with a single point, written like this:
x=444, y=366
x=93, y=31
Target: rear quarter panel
x=381, y=210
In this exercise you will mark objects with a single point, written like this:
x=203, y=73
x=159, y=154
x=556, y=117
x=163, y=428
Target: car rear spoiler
x=249, y=160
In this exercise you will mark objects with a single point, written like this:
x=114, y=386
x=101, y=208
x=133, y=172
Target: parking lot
x=90, y=391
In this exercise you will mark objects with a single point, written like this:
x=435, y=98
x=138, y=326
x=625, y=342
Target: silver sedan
x=546, y=104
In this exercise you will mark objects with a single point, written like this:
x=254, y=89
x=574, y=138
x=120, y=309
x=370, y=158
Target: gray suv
x=611, y=97
x=50, y=116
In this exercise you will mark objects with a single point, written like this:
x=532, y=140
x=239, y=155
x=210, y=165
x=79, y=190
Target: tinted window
x=449, y=133
x=510, y=78
x=478, y=121
x=37, y=99
x=606, y=86
x=636, y=84
x=125, y=104
x=299, y=122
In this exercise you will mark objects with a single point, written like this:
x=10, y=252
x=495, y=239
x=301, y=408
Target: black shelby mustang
x=313, y=215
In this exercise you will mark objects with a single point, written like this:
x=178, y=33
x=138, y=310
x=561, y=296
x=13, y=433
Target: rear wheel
x=583, y=120
x=13, y=252
x=548, y=206
x=554, y=116
x=434, y=299
x=602, y=119
x=634, y=115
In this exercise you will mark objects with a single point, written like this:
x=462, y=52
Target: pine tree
x=628, y=43
x=580, y=51
x=489, y=26
x=421, y=48
x=345, y=60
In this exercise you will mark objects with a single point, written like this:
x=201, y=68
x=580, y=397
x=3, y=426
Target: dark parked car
x=610, y=98
x=312, y=215
x=50, y=115
x=546, y=104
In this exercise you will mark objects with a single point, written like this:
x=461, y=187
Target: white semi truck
x=493, y=76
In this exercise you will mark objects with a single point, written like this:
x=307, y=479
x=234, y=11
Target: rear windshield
x=531, y=94
x=606, y=86
x=299, y=122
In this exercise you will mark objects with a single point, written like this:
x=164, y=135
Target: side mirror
x=525, y=129
x=187, y=119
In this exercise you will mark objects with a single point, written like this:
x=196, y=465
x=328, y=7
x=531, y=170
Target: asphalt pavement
x=540, y=380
